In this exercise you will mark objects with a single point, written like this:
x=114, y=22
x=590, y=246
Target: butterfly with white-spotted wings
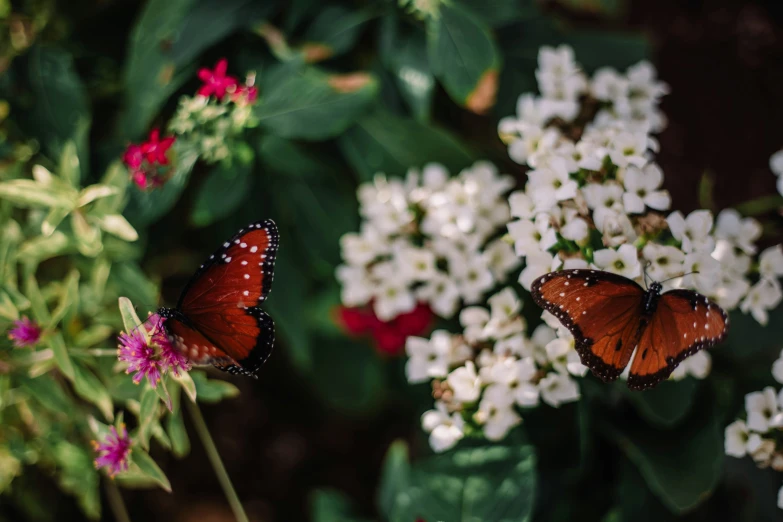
x=217, y=319
x=610, y=316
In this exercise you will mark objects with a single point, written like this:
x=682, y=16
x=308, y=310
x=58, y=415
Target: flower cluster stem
x=215, y=460
x=117, y=505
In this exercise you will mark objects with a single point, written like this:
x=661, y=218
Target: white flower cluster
x=760, y=436
x=428, y=238
x=597, y=201
x=484, y=375
x=211, y=125
x=776, y=166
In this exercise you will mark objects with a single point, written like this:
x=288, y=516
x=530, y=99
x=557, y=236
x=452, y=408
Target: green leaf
x=60, y=113
x=395, y=476
x=494, y=483
x=54, y=218
x=404, y=54
x=29, y=193
x=128, y=279
x=306, y=103
x=92, y=335
x=699, y=449
x=95, y=192
x=496, y=13
x=130, y=319
x=77, y=475
x=37, y=301
x=7, y=308
x=42, y=248
x=88, y=236
x=349, y=375
x=332, y=506
x=668, y=403
x=175, y=426
x=61, y=355
x=186, y=383
x=335, y=30
x=596, y=49
x=382, y=142
x=68, y=301
x=464, y=57
x=148, y=414
x=225, y=188
x=145, y=208
x=70, y=170
x=91, y=389
x=48, y=392
x=116, y=224
x=147, y=466
x=213, y=390
x=761, y=205
x=10, y=468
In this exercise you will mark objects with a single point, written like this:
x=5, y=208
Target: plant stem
x=116, y=503
x=217, y=463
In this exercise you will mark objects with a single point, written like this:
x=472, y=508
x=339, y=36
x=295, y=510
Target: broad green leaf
x=76, y=475
x=348, y=375
x=404, y=54
x=68, y=301
x=332, y=506
x=116, y=224
x=26, y=192
x=395, y=476
x=333, y=32
x=497, y=13
x=88, y=236
x=144, y=208
x=596, y=49
x=668, y=403
x=382, y=142
x=116, y=176
x=464, y=57
x=60, y=113
x=48, y=392
x=54, y=218
x=70, y=170
x=494, y=482
x=761, y=205
x=99, y=276
x=61, y=355
x=698, y=449
x=91, y=389
x=147, y=466
x=148, y=414
x=213, y=390
x=218, y=196
x=175, y=425
x=303, y=102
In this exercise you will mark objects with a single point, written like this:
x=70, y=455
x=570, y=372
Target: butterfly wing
x=603, y=312
x=220, y=300
x=683, y=323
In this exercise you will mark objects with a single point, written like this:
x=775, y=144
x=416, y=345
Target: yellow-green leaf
x=91, y=389
x=147, y=466
x=7, y=308
x=61, y=355
x=37, y=301
x=41, y=248
x=148, y=413
x=116, y=224
x=28, y=193
x=129, y=317
x=93, y=192
x=54, y=218
x=70, y=169
x=69, y=299
x=88, y=237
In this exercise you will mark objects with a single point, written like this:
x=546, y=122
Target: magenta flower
x=216, y=81
x=25, y=332
x=152, y=359
x=155, y=149
x=245, y=95
x=114, y=451
x=133, y=156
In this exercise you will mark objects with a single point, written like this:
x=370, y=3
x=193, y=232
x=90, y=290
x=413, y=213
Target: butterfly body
x=611, y=317
x=217, y=319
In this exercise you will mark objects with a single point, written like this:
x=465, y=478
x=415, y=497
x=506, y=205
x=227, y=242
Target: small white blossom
x=776, y=163
x=557, y=388
x=777, y=369
x=763, y=296
x=496, y=419
x=664, y=261
x=465, y=383
x=428, y=358
x=641, y=187
x=693, y=231
x=538, y=264
x=445, y=429
x=742, y=232
x=761, y=407
x=771, y=263
x=736, y=439
x=623, y=261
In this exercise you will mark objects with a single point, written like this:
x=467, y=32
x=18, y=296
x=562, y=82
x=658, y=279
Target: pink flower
x=155, y=149
x=245, y=95
x=133, y=156
x=139, y=177
x=153, y=359
x=114, y=451
x=25, y=332
x=216, y=81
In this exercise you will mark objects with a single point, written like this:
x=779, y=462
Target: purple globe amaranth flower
x=151, y=359
x=25, y=332
x=114, y=452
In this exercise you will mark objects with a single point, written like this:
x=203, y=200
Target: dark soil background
x=724, y=62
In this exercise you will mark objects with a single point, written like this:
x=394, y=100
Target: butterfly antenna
x=681, y=275
x=644, y=271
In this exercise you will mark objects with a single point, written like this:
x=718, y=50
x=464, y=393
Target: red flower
x=155, y=149
x=216, y=81
x=245, y=95
x=389, y=336
x=133, y=156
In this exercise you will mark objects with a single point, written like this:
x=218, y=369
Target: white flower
x=465, y=383
x=703, y=271
x=771, y=262
x=441, y=293
x=532, y=142
x=538, y=264
x=473, y=278
x=741, y=232
x=777, y=369
x=575, y=228
x=609, y=85
x=615, y=226
x=763, y=296
x=496, y=419
x=551, y=183
x=415, y=264
x=641, y=189
x=357, y=287
x=504, y=315
x=623, y=261
x=736, y=439
x=780, y=498
x=428, y=358
x=665, y=261
x=644, y=89
x=693, y=231
x=629, y=148
x=557, y=388
x=474, y=320
x=698, y=365
x=511, y=381
x=532, y=236
x=609, y=196
x=521, y=205
x=776, y=163
x=360, y=249
x=392, y=298
x=501, y=259
x=761, y=407
x=563, y=356
x=445, y=430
